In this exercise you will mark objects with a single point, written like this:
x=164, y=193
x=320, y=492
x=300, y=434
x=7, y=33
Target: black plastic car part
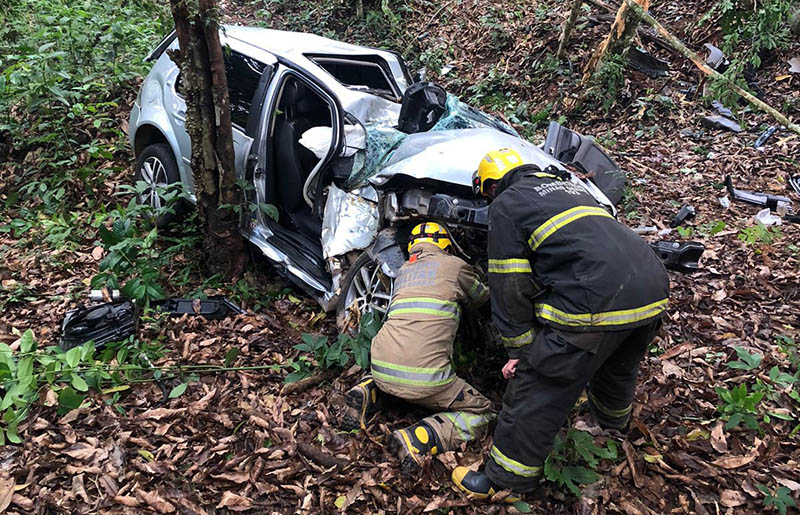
x=423, y=104
x=756, y=198
x=679, y=256
x=212, y=308
x=686, y=212
x=100, y=323
x=571, y=148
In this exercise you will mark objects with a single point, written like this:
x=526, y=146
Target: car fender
x=387, y=252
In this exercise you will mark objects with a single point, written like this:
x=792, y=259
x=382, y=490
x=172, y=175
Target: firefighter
x=411, y=354
x=577, y=298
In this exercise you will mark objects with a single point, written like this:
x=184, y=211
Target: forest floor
x=237, y=441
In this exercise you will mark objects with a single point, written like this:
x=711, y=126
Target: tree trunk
x=619, y=40
x=208, y=123
x=568, y=25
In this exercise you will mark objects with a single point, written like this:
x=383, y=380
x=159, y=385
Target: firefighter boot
x=412, y=444
x=362, y=401
x=478, y=485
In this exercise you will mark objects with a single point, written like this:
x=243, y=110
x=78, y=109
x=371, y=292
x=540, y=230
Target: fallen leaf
x=671, y=369
x=718, y=440
x=788, y=483
x=126, y=500
x=155, y=501
x=237, y=477
x=794, y=65
x=82, y=451
x=732, y=498
x=339, y=502
x=234, y=502
x=22, y=502
x=78, y=488
x=159, y=413
x=733, y=462
x=97, y=253
x=6, y=492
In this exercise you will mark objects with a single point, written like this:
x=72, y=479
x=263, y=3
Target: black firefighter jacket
x=558, y=258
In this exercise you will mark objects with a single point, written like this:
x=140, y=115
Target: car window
x=243, y=74
x=357, y=73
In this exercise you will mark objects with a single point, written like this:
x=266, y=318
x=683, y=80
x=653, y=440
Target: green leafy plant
x=326, y=356
x=759, y=234
x=564, y=466
x=685, y=232
x=749, y=28
x=738, y=406
x=607, y=81
x=780, y=498
x=136, y=253
x=711, y=228
x=746, y=361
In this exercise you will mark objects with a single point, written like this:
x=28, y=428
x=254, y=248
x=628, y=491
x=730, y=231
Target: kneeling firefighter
x=411, y=354
x=577, y=298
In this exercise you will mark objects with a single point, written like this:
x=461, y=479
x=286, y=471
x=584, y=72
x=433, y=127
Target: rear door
x=248, y=78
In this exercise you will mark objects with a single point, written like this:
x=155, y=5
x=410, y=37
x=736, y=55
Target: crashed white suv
x=317, y=133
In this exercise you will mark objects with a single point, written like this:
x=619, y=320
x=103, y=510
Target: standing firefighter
x=412, y=353
x=595, y=292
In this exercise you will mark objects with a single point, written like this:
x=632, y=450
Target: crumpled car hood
x=453, y=155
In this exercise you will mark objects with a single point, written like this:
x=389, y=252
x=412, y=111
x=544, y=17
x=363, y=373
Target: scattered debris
x=682, y=257
x=212, y=308
x=766, y=218
x=767, y=134
x=725, y=202
x=641, y=60
x=794, y=182
x=716, y=59
x=720, y=122
x=794, y=65
x=720, y=109
x=101, y=323
x=758, y=199
x=645, y=229
x=686, y=212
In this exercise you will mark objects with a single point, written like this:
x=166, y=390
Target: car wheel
x=365, y=289
x=156, y=167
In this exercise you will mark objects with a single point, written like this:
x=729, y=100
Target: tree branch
x=700, y=63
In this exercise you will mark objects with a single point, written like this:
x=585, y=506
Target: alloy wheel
x=154, y=174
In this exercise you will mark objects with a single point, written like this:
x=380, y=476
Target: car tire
x=157, y=167
x=365, y=286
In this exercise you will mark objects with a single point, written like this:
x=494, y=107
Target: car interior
x=299, y=109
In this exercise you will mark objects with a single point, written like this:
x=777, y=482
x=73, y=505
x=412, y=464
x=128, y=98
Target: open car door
x=584, y=153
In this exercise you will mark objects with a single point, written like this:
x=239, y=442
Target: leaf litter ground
x=235, y=442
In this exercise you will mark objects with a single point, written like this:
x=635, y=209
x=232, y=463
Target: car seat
x=293, y=161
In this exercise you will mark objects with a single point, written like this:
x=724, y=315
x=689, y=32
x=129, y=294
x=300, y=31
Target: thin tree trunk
x=619, y=39
x=208, y=123
x=568, y=25
x=700, y=63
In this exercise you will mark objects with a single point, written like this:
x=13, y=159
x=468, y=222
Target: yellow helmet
x=494, y=166
x=429, y=232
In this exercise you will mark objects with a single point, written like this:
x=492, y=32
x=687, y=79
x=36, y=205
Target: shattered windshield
x=383, y=141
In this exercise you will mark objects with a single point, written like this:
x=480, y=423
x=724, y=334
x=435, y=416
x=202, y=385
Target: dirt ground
x=237, y=442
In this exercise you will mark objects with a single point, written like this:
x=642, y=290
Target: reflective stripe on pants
x=412, y=376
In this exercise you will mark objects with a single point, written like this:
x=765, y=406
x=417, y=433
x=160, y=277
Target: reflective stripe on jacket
x=414, y=347
x=557, y=258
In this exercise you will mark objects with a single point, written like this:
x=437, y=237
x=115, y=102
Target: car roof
x=293, y=46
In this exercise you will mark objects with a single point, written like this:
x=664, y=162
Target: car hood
x=453, y=155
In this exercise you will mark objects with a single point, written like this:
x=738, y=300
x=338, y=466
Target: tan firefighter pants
x=466, y=412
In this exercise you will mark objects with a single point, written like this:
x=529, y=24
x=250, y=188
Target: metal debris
x=721, y=122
